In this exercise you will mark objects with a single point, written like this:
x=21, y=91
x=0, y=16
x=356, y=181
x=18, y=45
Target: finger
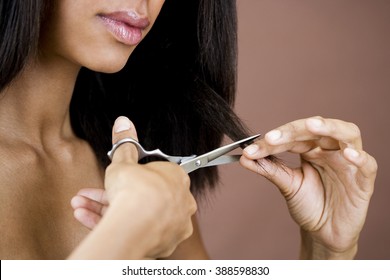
x=314, y=129
x=367, y=164
x=95, y=194
x=83, y=202
x=127, y=152
x=345, y=132
x=87, y=218
x=303, y=135
x=291, y=137
x=285, y=178
x=261, y=149
x=193, y=205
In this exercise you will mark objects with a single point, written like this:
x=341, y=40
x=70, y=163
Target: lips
x=126, y=27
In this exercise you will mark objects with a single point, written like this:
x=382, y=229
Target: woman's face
x=97, y=34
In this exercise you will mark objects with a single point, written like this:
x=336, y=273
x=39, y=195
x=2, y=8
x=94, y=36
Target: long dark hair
x=19, y=33
x=178, y=86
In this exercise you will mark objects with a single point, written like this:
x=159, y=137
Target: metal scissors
x=194, y=162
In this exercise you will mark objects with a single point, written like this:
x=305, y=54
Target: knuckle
x=111, y=170
x=291, y=127
x=331, y=125
x=186, y=181
x=368, y=165
x=182, y=177
x=373, y=165
x=194, y=205
x=189, y=231
x=355, y=130
x=318, y=117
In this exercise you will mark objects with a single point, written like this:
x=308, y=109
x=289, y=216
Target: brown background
x=300, y=58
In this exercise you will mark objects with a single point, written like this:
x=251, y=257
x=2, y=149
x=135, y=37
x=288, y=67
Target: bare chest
x=36, y=218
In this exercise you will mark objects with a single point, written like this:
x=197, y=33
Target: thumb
x=126, y=152
x=285, y=178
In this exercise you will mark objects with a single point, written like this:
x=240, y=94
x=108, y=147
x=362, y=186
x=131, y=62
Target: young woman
x=57, y=111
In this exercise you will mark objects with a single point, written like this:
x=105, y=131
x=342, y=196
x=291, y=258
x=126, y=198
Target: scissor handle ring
x=123, y=141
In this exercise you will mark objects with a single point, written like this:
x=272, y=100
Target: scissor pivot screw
x=198, y=163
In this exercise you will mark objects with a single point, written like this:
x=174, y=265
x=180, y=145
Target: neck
x=36, y=104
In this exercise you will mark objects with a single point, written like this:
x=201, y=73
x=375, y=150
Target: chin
x=108, y=68
x=108, y=63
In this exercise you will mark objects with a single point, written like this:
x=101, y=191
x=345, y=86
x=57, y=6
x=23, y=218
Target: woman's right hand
x=154, y=199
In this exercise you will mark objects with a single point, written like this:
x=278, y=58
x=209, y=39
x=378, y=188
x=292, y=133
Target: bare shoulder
x=17, y=163
x=17, y=176
x=36, y=187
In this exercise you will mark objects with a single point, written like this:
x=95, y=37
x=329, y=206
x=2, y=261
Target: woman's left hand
x=329, y=194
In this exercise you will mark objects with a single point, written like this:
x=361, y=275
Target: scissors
x=193, y=162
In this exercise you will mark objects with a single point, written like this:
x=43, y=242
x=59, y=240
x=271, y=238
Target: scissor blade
x=203, y=160
x=226, y=159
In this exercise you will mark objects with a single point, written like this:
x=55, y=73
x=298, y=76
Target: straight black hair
x=19, y=33
x=178, y=86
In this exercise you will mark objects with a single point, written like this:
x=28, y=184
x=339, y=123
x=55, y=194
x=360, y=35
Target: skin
x=159, y=191
x=329, y=194
x=44, y=164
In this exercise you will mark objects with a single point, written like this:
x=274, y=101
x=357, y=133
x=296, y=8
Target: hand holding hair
x=328, y=195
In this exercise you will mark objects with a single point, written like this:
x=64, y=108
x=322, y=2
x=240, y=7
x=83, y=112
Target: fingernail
x=351, y=153
x=274, y=135
x=122, y=124
x=251, y=149
x=315, y=122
